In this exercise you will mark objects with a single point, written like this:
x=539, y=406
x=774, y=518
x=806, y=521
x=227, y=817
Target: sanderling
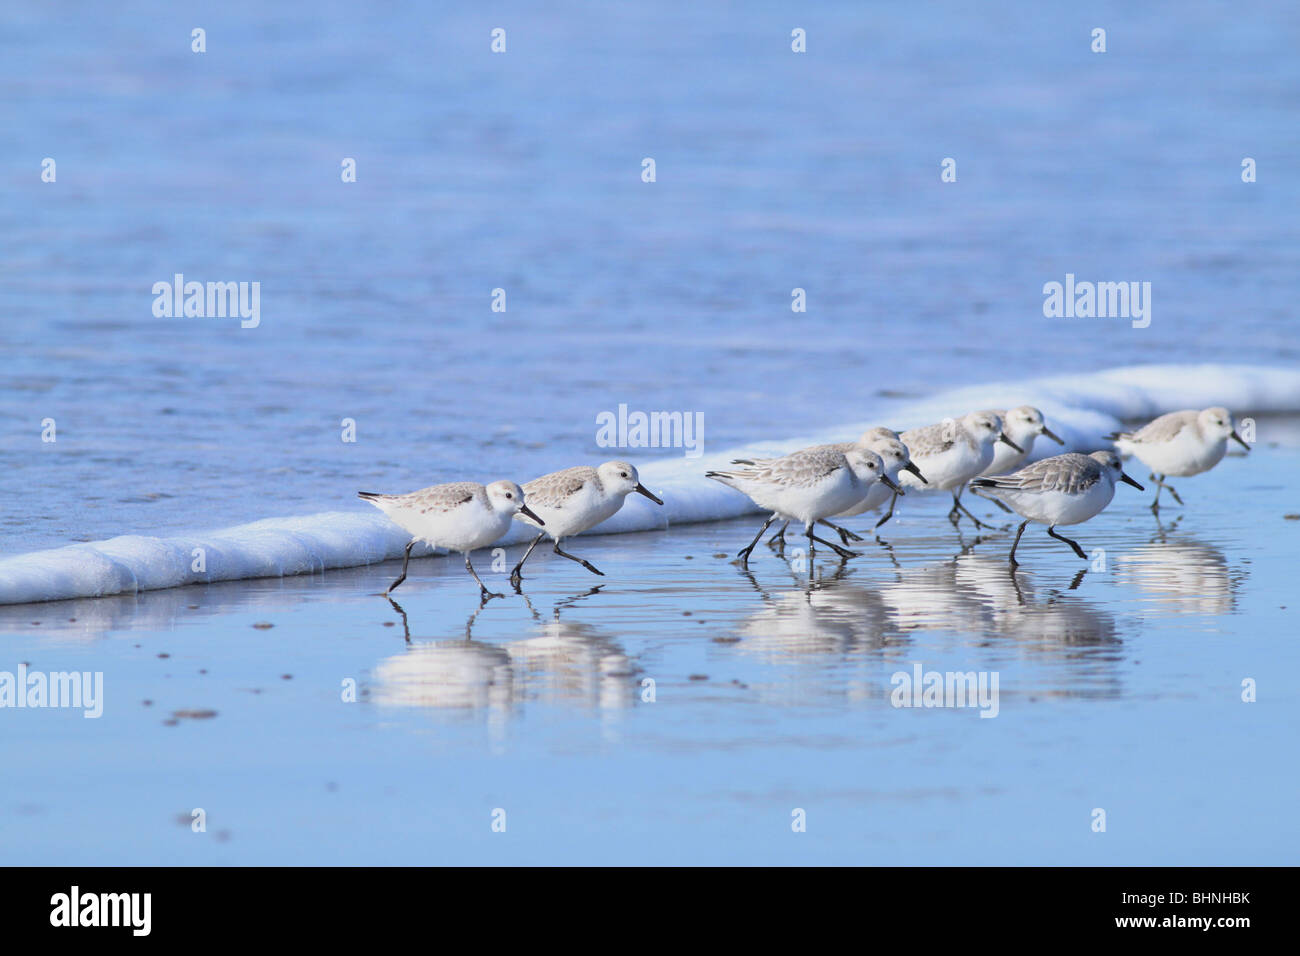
x=885, y=443
x=459, y=516
x=1022, y=425
x=953, y=452
x=807, y=486
x=898, y=459
x=575, y=499
x=1064, y=489
x=1180, y=444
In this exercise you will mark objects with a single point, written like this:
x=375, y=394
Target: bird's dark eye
x=509, y=495
x=623, y=473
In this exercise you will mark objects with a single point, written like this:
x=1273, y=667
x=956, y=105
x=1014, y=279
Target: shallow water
x=521, y=171
x=1118, y=690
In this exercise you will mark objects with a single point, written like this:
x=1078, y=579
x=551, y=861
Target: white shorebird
x=885, y=443
x=459, y=516
x=1180, y=444
x=1022, y=425
x=1065, y=489
x=953, y=452
x=575, y=499
x=897, y=458
x=807, y=486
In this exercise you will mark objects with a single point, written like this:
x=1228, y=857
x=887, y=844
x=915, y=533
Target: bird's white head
x=869, y=467
x=505, y=497
x=896, y=457
x=1025, y=423
x=986, y=428
x=1216, y=424
x=621, y=478
x=1114, y=467
x=892, y=452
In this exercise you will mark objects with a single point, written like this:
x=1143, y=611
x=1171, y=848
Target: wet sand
x=1119, y=689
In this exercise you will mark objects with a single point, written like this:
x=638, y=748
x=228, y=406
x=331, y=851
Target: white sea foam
x=1080, y=408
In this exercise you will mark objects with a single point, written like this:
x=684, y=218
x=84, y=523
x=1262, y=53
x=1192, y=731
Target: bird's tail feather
x=984, y=487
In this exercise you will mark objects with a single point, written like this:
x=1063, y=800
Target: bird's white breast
x=464, y=528
x=1058, y=507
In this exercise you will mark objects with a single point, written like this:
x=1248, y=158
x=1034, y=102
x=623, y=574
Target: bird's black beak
x=1238, y=439
x=1052, y=435
x=891, y=483
x=1129, y=481
x=643, y=490
x=525, y=510
x=1002, y=436
x=911, y=466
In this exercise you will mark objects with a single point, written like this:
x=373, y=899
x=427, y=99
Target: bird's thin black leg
x=1074, y=544
x=845, y=534
x=516, y=575
x=958, y=506
x=1160, y=483
x=405, y=561
x=890, y=513
x=777, y=541
x=573, y=557
x=483, y=592
x=744, y=553
x=842, y=552
x=1015, y=544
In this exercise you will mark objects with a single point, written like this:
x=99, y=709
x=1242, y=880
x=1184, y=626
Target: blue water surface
x=522, y=171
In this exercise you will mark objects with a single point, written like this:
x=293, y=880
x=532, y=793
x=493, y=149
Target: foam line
x=1080, y=408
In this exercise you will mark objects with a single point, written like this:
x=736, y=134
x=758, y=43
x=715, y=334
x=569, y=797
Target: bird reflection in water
x=566, y=662
x=1075, y=641
x=574, y=662
x=1181, y=575
x=406, y=624
x=971, y=600
x=828, y=614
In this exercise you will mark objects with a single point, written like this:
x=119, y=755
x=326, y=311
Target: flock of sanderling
x=815, y=484
x=464, y=515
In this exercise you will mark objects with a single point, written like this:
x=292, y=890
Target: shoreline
x=306, y=544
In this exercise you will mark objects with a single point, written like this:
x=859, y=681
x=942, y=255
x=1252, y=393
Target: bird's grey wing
x=442, y=498
x=1070, y=474
x=840, y=447
x=553, y=490
x=930, y=440
x=800, y=469
x=807, y=467
x=1162, y=429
